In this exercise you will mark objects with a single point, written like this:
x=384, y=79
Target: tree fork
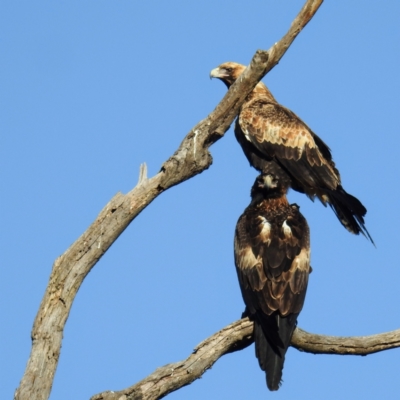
x=191, y=158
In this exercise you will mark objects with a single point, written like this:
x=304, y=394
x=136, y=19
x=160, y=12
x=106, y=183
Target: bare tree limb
x=142, y=174
x=355, y=345
x=234, y=337
x=191, y=158
x=171, y=377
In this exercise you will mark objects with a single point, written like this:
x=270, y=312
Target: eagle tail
x=350, y=211
x=272, y=335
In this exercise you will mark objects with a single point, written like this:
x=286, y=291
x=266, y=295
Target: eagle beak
x=268, y=182
x=215, y=73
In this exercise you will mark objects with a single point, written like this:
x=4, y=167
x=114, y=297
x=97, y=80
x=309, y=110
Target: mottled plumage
x=272, y=258
x=276, y=140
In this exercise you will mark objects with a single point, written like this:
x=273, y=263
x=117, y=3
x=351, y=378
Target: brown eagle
x=274, y=139
x=272, y=258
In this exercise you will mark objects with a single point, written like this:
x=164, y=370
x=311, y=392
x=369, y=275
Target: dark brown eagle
x=272, y=258
x=276, y=140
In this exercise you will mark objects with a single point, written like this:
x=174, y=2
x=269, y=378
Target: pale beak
x=215, y=73
x=268, y=182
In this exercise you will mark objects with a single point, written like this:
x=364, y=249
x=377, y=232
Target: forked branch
x=234, y=337
x=191, y=158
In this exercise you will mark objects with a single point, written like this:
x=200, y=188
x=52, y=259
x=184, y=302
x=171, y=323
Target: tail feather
x=349, y=210
x=272, y=335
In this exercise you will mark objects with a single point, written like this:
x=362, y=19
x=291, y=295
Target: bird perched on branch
x=272, y=258
x=276, y=140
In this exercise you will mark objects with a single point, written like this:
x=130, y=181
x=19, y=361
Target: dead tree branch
x=355, y=345
x=191, y=158
x=234, y=337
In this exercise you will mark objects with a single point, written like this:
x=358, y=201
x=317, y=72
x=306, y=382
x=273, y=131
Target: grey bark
x=234, y=337
x=192, y=157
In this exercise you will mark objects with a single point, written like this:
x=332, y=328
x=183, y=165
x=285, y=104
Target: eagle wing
x=273, y=263
x=278, y=134
x=272, y=257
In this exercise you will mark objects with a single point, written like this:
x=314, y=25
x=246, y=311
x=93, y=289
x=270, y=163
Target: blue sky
x=89, y=90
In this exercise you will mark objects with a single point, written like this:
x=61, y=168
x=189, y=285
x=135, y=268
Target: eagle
x=272, y=258
x=274, y=139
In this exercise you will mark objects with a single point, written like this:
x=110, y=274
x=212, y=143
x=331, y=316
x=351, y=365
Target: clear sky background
x=89, y=90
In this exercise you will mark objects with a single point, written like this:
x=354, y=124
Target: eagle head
x=228, y=72
x=269, y=185
x=267, y=181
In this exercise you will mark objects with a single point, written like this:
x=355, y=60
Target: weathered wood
x=171, y=377
x=234, y=337
x=191, y=158
x=355, y=345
